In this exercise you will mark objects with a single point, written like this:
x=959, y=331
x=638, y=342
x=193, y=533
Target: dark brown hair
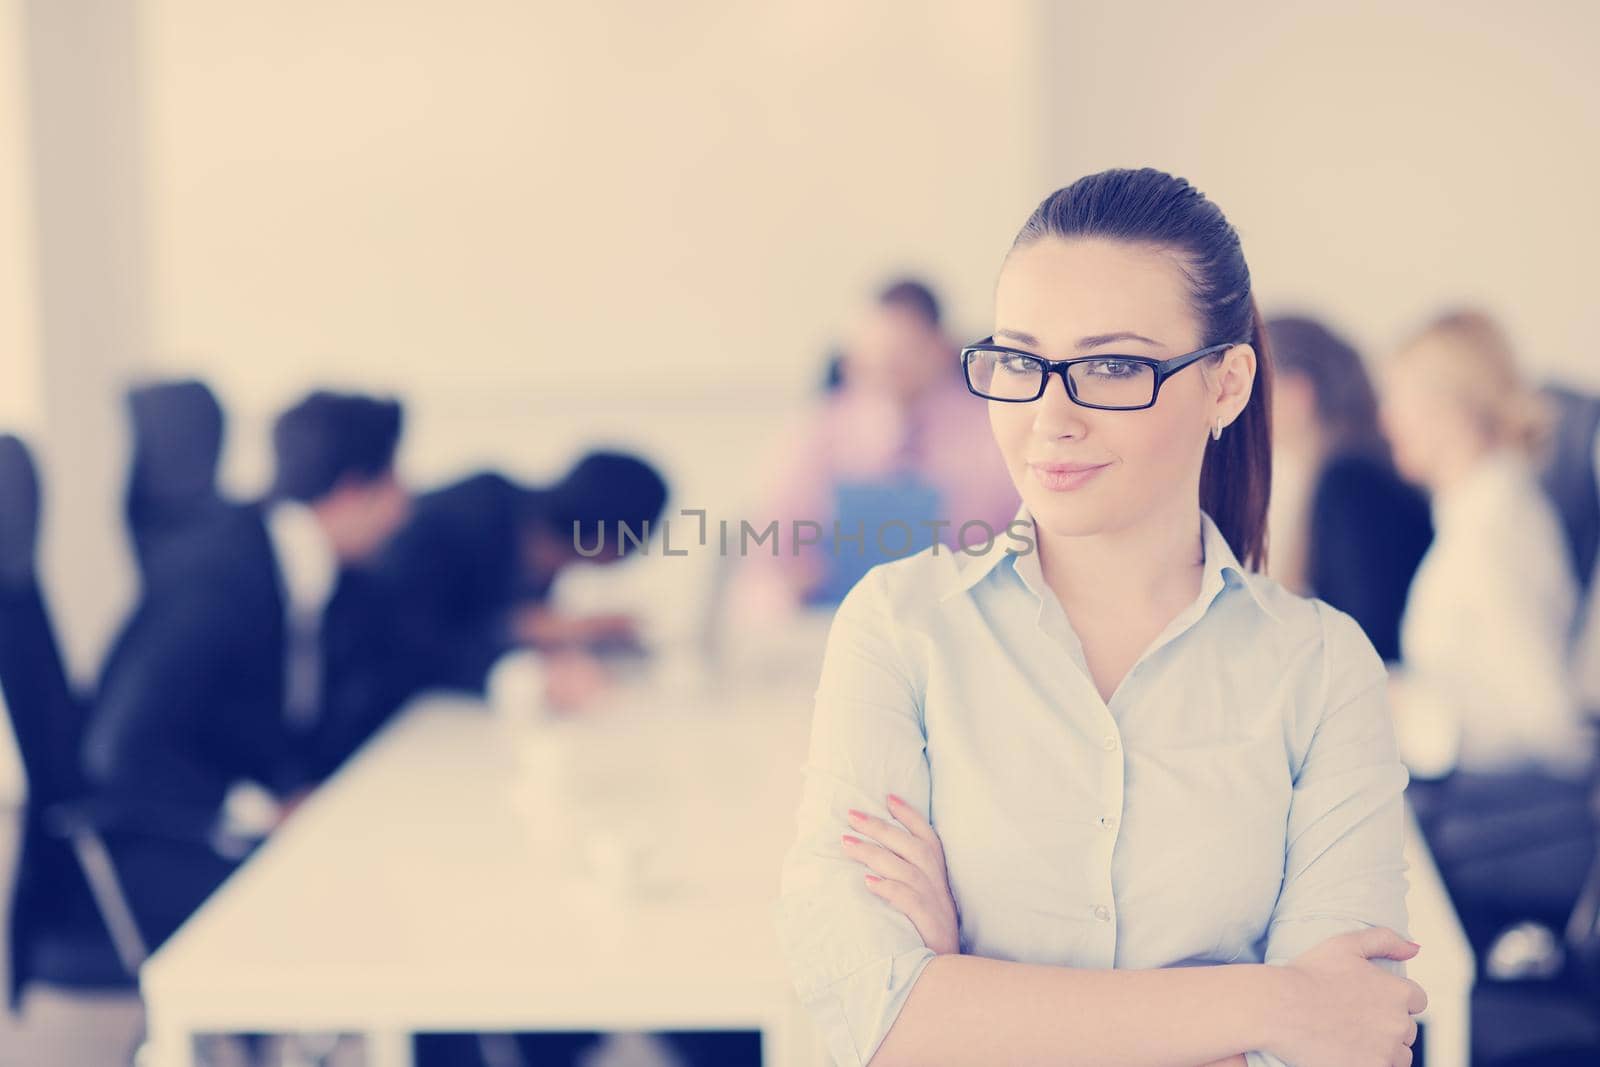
x=914, y=295
x=328, y=437
x=1151, y=207
x=1346, y=404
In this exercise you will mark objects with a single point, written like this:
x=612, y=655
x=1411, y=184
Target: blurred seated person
x=255, y=659
x=900, y=420
x=1486, y=638
x=1485, y=704
x=1344, y=527
x=474, y=566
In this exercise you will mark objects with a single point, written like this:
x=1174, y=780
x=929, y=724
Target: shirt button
x=1108, y=822
x=1102, y=913
x=1110, y=743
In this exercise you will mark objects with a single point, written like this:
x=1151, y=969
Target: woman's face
x=1425, y=424
x=895, y=352
x=1058, y=299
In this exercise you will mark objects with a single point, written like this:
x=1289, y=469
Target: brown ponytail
x=1236, y=475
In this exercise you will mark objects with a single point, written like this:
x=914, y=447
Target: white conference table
x=426, y=888
x=1445, y=968
x=423, y=889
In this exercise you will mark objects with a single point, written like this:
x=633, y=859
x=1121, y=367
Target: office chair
x=56, y=935
x=70, y=923
x=1565, y=999
x=177, y=430
x=1568, y=476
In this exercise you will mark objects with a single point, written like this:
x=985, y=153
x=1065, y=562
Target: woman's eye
x=1017, y=365
x=1114, y=368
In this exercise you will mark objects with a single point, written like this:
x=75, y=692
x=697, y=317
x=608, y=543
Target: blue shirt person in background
x=1101, y=793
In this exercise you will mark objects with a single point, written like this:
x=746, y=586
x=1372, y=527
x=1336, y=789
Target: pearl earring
x=1216, y=429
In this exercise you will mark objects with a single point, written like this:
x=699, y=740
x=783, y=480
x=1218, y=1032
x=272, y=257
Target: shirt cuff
x=854, y=1014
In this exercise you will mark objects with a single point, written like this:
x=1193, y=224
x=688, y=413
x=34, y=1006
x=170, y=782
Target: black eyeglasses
x=1107, y=382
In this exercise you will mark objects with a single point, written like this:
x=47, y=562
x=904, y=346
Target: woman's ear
x=1233, y=381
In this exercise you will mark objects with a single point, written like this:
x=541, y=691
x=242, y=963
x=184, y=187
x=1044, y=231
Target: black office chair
x=177, y=430
x=1554, y=1018
x=1568, y=476
x=70, y=924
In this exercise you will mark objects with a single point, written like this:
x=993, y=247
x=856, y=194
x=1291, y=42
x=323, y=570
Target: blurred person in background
x=1485, y=703
x=473, y=571
x=1488, y=625
x=1343, y=526
x=474, y=567
x=895, y=422
x=256, y=659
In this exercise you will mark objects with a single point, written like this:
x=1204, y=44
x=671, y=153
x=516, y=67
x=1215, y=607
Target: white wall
x=19, y=356
x=551, y=222
x=82, y=186
x=1378, y=159
x=433, y=197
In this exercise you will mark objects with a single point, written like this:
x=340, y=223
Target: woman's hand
x=1346, y=1011
x=908, y=861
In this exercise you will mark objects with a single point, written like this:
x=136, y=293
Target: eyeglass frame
x=1164, y=369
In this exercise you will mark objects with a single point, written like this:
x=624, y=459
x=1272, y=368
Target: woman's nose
x=1057, y=415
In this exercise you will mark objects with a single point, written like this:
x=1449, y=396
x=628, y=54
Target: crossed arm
x=964, y=1008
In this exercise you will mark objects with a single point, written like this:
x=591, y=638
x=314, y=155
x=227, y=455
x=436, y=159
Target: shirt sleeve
x=1344, y=867
x=854, y=957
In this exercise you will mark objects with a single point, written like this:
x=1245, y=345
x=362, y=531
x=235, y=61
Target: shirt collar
x=1221, y=564
x=306, y=561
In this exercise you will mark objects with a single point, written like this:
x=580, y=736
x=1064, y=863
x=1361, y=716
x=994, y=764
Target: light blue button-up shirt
x=1238, y=800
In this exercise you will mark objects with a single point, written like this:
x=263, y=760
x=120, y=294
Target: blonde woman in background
x=1485, y=701
x=1489, y=621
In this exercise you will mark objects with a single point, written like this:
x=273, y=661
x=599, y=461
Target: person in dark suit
x=1344, y=526
x=256, y=655
x=474, y=566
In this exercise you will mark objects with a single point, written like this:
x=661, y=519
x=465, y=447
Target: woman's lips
x=1060, y=477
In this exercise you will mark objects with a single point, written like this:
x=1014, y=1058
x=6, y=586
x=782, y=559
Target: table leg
x=388, y=1048
x=167, y=1044
x=1448, y=1025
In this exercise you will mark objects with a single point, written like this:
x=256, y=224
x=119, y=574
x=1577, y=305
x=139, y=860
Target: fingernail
x=1414, y=944
x=874, y=879
x=849, y=840
x=894, y=799
x=854, y=814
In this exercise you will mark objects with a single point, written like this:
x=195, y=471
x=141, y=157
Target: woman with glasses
x=1097, y=792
